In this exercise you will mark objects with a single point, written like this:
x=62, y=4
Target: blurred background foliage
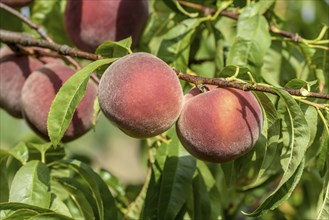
x=107, y=148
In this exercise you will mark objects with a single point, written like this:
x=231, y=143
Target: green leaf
x=323, y=210
x=252, y=41
x=177, y=175
x=43, y=13
x=113, y=49
x=14, y=206
x=50, y=216
x=79, y=194
x=293, y=154
x=20, y=152
x=280, y=194
x=175, y=45
x=106, y=208
x=271, y=133
x=175, y=6
x=67, y=99
x=46, y=152
x=31, y=185
x=4, y=187
x=12, y=24
x=17, y=210
x=296, y=84
x=21, y=214
x=57, y=204
x=206, y=197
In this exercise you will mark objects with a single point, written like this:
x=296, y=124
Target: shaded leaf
x=281, y=194
x=175, y=45
x=19, y=210
x=106, y=208
x=113, y=49
x=292, y=156
x=323, y=210
x=271, y=133
x=177, y=175
x=4, y=187
x=76, y=191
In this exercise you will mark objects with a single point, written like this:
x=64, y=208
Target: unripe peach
x=141, y=94
x=219, y=125
x=40, y=90
x=14, y=69
x=16, y=3
x=89, y=24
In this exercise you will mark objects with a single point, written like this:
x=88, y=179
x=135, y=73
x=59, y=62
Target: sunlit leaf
x=31, y=185
x=67, y=99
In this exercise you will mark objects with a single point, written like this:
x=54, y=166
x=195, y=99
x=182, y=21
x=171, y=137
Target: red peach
x=141, y=94
x=40, y=90
x=88, y=24
x=14, y=69
x=219, y=125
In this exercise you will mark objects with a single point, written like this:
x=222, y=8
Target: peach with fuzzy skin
x=14, y=70
x=88, y=24
x=16, y=3
x=38, y=93
x=141, y=94
x=219, y=125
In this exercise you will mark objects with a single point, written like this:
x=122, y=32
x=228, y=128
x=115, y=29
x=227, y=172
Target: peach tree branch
x=235, y=16
x=222, y=82
x=10, y=37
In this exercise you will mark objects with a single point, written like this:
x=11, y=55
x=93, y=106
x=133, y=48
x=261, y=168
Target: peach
x=88, y=24
x=16, y=3
x=14, y=69
x=40, y=90
x=219, y=125
x=141, y=94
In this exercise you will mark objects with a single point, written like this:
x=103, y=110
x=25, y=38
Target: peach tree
x=225, y=103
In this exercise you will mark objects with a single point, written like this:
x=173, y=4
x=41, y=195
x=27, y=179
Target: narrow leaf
x=4, y=187
x=76, y=191
x=104, y=200
x=281, y=194
x=323, y=211
x=67, y=99
x=177, y=175
x=293, y=155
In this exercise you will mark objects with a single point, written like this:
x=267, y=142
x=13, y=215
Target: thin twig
x=235, y=16
x=10, y=37
x=38, y=29
x=222, y=82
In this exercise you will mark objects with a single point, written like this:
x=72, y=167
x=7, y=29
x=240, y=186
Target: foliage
x=49, y=180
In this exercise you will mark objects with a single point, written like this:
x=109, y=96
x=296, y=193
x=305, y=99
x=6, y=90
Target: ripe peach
x=16, y=3
x=38, y=93
x=14, y=69
x=141, y=94
x=219, y=125
x=88, y=24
